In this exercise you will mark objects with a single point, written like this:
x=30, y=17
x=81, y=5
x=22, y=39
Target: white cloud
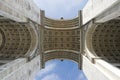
x=48, y=68
x=81, y=77
x=51, y=77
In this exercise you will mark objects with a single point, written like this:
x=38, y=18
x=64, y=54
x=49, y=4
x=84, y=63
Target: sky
x=55, y=69
x=60, y=70
x=61, y=8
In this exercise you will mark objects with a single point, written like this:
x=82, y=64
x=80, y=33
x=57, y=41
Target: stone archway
x=60, y=39
x=102, y=41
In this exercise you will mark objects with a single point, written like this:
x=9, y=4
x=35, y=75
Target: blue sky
x=55, y=69
x=61, y=8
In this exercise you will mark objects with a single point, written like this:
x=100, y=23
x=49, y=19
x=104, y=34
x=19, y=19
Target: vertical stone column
x=81, y=39
x=41, y=39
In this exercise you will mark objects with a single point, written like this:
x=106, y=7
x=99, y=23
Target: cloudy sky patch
x=61, y=8
x=51, y=77
x=48, y=68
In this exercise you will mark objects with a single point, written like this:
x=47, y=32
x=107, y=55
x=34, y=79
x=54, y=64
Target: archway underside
x=105, y=41
x=61, y=39
x=15, y=39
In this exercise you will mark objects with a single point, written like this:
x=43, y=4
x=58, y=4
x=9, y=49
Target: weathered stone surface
x=102, y=71
x=95, y=8
x=109, y=14
x=20, y=10
x=20, y=69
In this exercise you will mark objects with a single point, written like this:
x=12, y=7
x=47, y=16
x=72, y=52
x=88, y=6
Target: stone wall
x=100, y=70
x=20, y=69
x=20, y=10
x=91, y=71
x=95, y=7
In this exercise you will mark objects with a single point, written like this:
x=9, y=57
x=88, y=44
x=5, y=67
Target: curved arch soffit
x=47, y=27
x=61, y=55
x=73, y=20
x=88, y=41
x=34, y=39
x=62, y=59
x=61, y=19
x=49, y=51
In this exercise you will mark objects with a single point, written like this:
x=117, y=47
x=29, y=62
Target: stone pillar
x=81, y=39
x=41, y=39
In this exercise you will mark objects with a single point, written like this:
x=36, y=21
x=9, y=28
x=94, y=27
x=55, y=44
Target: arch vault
x=60, y=39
